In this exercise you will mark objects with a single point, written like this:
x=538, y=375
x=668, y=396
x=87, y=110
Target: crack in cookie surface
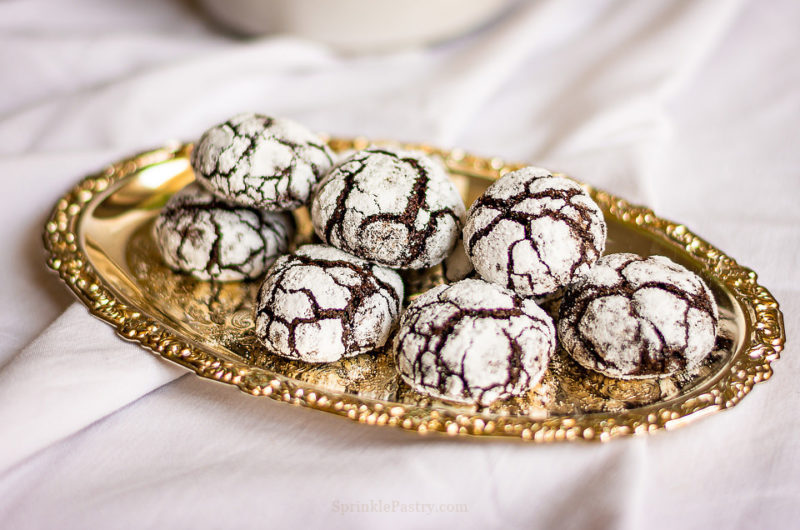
x=473, y=342
x=534, y=232
x=212, y=239
x=394, y=208
x=633, y=317
x=321, y=304
x=260, y=161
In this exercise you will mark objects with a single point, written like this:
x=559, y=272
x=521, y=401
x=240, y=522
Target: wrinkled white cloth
x=689, y=107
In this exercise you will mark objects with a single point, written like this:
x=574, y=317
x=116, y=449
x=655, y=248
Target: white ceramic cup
x=357, y=25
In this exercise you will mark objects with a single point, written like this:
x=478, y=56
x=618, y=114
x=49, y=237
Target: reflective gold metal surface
x=98, y=240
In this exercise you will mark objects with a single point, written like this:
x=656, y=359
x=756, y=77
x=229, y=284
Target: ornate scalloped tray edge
x=763, y=334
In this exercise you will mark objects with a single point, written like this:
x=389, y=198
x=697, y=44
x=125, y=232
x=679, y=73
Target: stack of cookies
x=532, y=236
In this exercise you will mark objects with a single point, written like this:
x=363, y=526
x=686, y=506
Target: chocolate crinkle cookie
x=394, y=208
x=321, y=304
x=457, y=266
x=534, y=232
x=473, y=342
x=259, y=161
x=635, y=317
x=213, y=239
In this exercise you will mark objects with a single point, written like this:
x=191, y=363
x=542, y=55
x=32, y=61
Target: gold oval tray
x=98, y=240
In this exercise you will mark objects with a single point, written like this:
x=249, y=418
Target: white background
x=692, y=108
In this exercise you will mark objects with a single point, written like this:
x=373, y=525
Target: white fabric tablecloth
x=692, y=108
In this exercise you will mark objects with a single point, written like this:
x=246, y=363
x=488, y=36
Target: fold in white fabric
x=689, y=107
x=77, y=372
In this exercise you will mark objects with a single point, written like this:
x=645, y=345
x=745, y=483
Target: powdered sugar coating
x=534, y=232
x=394, y=208
x=259, y=161
x=473, y=342
x=457, y=266
x=321, y=304
x=634, y=317
x=212, y=239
